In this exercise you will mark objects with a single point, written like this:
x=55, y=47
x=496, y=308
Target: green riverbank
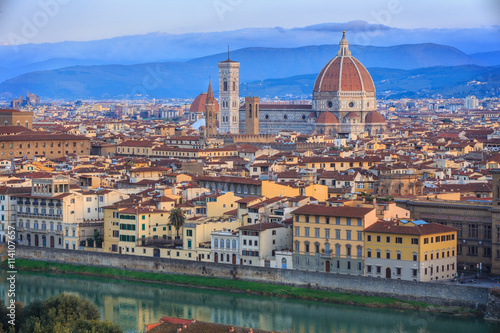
x=237, y=286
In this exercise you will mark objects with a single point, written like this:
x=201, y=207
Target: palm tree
x=177, y=219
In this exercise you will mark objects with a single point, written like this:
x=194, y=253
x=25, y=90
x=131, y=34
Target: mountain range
x=263, y=71
x=167, y=65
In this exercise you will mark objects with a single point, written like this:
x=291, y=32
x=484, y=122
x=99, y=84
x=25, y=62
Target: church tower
x=252, y=115
x=210, y=113
x=229, y=93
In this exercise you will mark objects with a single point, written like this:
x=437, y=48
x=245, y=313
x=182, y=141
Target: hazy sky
x=38, y=21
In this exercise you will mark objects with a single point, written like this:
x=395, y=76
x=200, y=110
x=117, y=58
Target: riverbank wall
x=433, y=293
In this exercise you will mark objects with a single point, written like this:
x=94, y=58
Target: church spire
x=344, y=47
x=210, y=92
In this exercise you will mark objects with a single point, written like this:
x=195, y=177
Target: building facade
x=410, y=250
x=330, y=239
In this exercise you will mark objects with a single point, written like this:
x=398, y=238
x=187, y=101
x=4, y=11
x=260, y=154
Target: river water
x=131, y=305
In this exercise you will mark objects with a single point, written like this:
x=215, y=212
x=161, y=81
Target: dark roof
x=262, y=226
x=389, y=227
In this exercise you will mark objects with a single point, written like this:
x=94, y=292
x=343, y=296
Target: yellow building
x=218, y=203
x=330, y=239
x=416, y=250
x=124, y=228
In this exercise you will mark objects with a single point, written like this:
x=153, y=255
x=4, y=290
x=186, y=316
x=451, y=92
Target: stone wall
x=434, y=293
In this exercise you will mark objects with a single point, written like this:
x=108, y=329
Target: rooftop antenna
x=228, y=52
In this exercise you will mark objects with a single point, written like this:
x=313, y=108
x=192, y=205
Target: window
x=414, y=272
x=337, y=233
x=306, y=247
x=438, y=239
x=388, y=255
x=360, y=236
x=368, y=253
x=398, y=255
x=388, y=239
x=317, y=219
x=327, y=220
x=337, y=221
x=307, y=232
x=378, y=254
x=399, y=240
x=369, y=238
x=426, y=240
x=379, y=269
x=348, y=221
x=360, y=222
x=368, y=269
x=307, y=218
x=378, y=239
x=327, y=233
x=348, y=234
x=473, y=230
x=297, y=247
x=359, y=253
x=414, y=241
x=316, y=232
x=297, y=231
x=398, y=270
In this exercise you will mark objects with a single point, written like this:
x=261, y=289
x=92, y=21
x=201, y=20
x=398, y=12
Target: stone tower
x=252, y=115
x=495, y=221
x=229, y=93
x=210, y=113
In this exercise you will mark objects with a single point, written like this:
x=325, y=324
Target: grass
x=223, y=284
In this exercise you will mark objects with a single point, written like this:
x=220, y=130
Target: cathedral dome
x=374, y=117
x=344, y=73
x=327, y=118
x=199, y=102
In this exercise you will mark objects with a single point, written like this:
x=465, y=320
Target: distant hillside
x=188, y=79
x=490, y=58
x=454, y=81
x=164, y=47
x=184, y=80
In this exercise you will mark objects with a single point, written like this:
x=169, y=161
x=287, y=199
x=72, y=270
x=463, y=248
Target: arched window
x=228, y=244
x=224, y=85
x=250, y=111
x=234, y=244
x=26, y=124
x=221, y=243
x=216, y=243
x=234, y=85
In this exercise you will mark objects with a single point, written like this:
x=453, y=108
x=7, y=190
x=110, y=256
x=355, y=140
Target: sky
x=41, y=21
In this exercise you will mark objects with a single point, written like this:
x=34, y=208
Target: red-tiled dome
x=327, y=118
x=374, y=117
x=344, y=73
x=199, y=102
x=352, y=115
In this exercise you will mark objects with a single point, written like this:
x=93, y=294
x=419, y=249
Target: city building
x=410, y=250
x=330, y=239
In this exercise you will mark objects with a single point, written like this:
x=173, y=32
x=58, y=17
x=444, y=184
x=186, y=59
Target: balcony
x=326, y=255
x=35, y=202
x=51, y=204
x=43, y=203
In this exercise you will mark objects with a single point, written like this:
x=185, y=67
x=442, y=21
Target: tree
x=177, y=219
x=64, y=313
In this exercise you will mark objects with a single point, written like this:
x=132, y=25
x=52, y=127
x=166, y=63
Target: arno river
x=131, y=305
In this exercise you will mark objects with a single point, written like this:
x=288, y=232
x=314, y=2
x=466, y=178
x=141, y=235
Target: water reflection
x=132, y=305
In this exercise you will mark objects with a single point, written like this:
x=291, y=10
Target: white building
x=259, y=243
x=471, y=102
x=225, y=247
